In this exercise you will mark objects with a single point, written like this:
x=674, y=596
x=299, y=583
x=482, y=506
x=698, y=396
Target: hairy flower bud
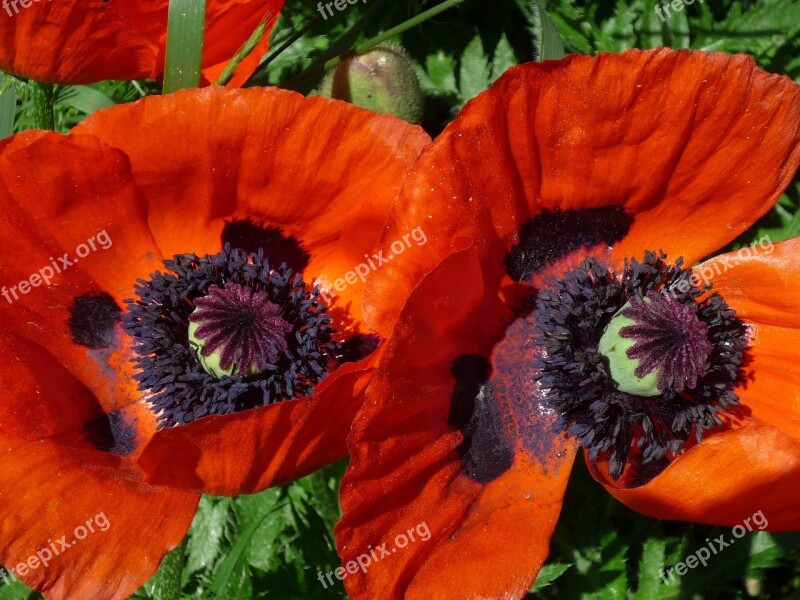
x=382, y=80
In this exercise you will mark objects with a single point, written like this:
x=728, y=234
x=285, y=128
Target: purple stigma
x=242, y=326
x=669, y=339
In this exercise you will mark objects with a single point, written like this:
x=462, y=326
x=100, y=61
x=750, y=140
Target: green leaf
x=15, y=590
x=475, y=74
x=617, y=33
x=438, y=77
x=765, y=551
x=167, y=583
x=652, y=27
x=653, y=560
x=224, y=575
x=504, y=58
x=676, y=28
x=185, y=28
x=547, y=42
x=204, y=544
x=548, y=574
x=84, y=98
x=761, y=30
x=575, y=32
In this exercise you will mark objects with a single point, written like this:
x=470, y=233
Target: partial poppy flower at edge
x=567, y=209
x=233, y=210
x=86, y=41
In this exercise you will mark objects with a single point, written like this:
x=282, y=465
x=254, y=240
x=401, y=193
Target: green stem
x=278, y=51
x=8, y=111
x=43, y=96
x=402, y=28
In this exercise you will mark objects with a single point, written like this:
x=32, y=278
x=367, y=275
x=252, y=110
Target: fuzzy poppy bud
x=382, y=80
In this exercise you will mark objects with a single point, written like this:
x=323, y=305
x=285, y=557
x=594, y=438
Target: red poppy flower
x=241, y=204
x=74, y=42
x=563, y=208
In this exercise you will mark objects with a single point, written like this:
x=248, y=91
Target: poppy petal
x=755, y=468
x=324, y=172
x=273, y=445
x=48, y=491
x=80, y=241
x=433, y=504
x=72, y=41
x=638, y=150
x=762, y=284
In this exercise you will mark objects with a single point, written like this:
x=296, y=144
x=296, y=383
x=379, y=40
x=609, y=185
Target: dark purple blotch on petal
x=485, y=452
x=358, y=347
x=93, y=320
x=279, y=248
x=111, y=433
x=552, y=235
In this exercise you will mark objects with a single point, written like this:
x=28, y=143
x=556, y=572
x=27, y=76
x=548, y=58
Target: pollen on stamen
x=264, y=319
x=699, y=360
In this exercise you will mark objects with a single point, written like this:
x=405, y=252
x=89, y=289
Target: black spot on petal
x=358, y=347
x=485, y=452
x=551, y=236
x=249, y=236
x=93, y=319
x=111, y=433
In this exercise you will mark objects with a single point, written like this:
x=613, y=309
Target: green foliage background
x=272, y=545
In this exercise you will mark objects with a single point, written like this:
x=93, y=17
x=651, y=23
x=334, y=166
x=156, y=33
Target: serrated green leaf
x=476, y=72
x=504, y=58
x=765, y=552
x=652, y=28
x=574, y=31
x=617, y=33
x=223, y=577
x=548, y=574
x=438, y=76
x=167, y=583
x=204, y=542
x=677, y=28
x=761, y=30
x=653, y=560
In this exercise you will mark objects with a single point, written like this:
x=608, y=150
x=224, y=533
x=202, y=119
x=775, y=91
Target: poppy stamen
x=220, y=334
x=637, y=361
